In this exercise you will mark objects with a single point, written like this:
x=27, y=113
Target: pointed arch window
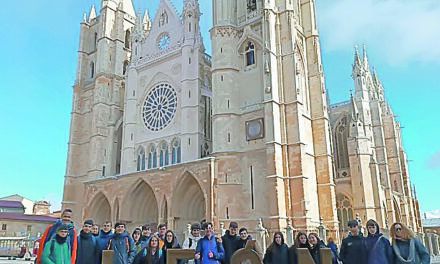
x=124, y=68
x=345, y=211
x=164, y=159
x=141, y=160
x=250, y=54
x=176, y=152
x=152, y=158
x=127, y=39
x=163, y=18
x=341, y=148
x=96, y=41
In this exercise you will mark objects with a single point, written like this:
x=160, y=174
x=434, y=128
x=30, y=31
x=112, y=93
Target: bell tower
x=270, y=113
x=98, y=99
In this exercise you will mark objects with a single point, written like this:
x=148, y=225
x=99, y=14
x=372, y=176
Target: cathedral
x=163, y=132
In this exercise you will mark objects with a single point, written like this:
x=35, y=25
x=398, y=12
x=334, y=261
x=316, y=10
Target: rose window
x=159, y=107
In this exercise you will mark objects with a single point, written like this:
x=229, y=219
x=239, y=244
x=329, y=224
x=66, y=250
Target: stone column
x=429, y=243
x=435, y=246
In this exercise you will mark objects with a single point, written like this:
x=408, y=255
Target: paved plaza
x=17, y=261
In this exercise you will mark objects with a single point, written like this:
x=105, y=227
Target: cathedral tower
x=98, y=103
x=270, y=116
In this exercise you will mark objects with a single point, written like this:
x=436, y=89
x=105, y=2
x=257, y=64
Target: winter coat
x=353, y=250
x=379, y=250
x=230, y=244
x=410, y=252
x=144, y=241
x=56, y=253
x=191, y=243
x=123, y=247
x=50, y=233
x=142, y=257
x=277, y=254
x=242, y=242
x=206, y=245
x=88, y=249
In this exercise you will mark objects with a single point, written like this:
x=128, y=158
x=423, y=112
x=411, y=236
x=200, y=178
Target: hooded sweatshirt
x=207, y=245
x=379, y=250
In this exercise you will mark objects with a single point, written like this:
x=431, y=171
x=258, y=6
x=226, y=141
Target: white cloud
x=54, y=200
x=431, y=214
x=400, y=30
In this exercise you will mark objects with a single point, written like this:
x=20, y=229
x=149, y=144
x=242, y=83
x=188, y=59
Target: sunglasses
x=398, y=229
x=64, y=231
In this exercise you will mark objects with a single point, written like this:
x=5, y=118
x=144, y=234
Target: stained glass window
x=159, y=107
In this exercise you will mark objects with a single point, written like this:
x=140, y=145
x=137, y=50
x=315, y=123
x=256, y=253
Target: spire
x=147, y=21
x=92, y=14
x=357, y=57
x=354, y=109
x=139, y=31
x=366, y=64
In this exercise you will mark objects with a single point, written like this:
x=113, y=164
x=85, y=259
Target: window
x=124, y=68
x=96, y=40
x=345, y=211
x=163, y=18
x=164, y=155
x=152, y=158
x=141, y=160
x=4, y=227
x=252, y=5
x=92, y=69
x=127, y=39
x=159, y=107
x=176, y=152
x=250, y=54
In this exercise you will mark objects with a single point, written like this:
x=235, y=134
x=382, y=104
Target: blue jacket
x=379, y=250
x=206, y=245
x=119, y=243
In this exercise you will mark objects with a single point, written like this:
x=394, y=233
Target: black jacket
x=242, y=243
x=353, y=250
x=230, y=244
x=276, y=254
x=314, y=251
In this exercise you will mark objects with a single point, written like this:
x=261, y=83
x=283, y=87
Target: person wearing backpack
x=151, y=254
x=88, y=247
x=51, y=231
x=379, y=250
x=192, y=240
x=57, y=249
x=209, y=249
x=123, y=245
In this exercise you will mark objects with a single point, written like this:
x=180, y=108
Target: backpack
x=127, y=244
x=145, y=252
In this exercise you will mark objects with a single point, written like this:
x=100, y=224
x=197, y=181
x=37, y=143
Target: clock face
x=159, y=107
x=164, y=42
x=255, y=129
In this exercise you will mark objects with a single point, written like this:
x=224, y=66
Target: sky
x=38, y=54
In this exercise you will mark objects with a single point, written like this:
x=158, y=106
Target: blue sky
x=38, y=55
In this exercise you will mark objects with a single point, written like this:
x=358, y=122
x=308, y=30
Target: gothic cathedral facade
x=162, y=132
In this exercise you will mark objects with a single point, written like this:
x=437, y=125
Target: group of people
x=61, y=244
x=375, y=248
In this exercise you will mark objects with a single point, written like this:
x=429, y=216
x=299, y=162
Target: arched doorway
x=140, y=206
x=99, y=209
x=188, y=204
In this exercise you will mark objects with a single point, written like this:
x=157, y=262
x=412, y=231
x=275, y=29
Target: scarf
x=59, y=239
x=412, y=251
